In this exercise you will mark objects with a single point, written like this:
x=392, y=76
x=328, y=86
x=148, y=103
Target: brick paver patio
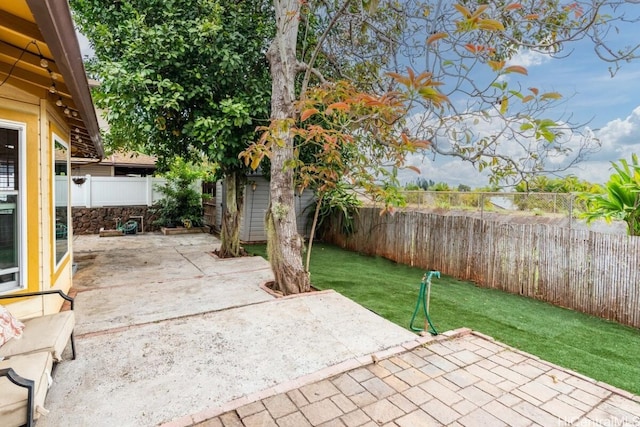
x=459, y=379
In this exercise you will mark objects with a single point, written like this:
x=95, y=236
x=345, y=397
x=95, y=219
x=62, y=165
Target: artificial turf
x=602, y=350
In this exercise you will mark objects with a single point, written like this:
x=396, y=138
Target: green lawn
x=599, y=349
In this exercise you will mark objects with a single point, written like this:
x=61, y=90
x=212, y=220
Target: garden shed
x=256, y=201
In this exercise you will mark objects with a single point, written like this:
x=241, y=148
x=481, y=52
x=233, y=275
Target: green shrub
x=182, y=201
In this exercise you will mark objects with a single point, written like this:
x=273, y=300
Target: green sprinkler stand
x=423, y=301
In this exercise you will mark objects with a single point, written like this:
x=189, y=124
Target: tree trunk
x=231, y=216
x=312, y=233
x=285, y=244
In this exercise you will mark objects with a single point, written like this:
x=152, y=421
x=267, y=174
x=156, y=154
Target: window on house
x=61, y=199
x=10, y=209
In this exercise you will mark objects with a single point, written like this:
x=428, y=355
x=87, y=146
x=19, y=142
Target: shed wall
x=256, y=203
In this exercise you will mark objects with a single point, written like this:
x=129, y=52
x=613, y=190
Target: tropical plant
x=341, y=137
x=440, y=186
x=181, y=203
x=620, y=199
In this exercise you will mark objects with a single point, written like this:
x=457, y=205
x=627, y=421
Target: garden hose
x=423, y=300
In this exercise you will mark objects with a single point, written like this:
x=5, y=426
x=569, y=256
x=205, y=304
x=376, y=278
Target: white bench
x=25, y=371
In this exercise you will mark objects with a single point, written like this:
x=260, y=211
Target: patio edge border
x=322, y=374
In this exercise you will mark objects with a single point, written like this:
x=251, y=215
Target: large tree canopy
x=179, y=77
x=465, y=98
x=183, y=78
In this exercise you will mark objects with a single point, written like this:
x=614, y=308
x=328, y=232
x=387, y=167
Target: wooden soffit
x=40, y=54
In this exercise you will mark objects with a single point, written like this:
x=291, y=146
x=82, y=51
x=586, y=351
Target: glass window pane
x=9, y=213
x=8, y=232
x=61, y=198
x=9, y=255
x=8, y=159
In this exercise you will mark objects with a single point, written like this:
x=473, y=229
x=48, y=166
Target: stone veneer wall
x=91, y=220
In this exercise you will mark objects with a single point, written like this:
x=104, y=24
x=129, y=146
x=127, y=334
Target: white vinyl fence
x=100, y=191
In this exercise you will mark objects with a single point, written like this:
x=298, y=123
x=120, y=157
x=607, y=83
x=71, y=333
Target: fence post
x=149, y=186
x=571, y=196
x=87, y=191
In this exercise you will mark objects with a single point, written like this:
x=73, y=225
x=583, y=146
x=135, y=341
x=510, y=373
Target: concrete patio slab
x=156, y=372
x=129, y=267
x=142, y=241
x=169, y=335
x=157, y=263
x=113, y=307
x=213, y=266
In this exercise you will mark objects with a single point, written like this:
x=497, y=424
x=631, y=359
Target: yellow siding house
x=46, y=116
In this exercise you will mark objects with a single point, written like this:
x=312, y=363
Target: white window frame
x=21, y=273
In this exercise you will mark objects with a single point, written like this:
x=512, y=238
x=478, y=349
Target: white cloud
x=621, y=137
x=512, y=143
x=444, y=169
x=529, y=59
x=596, y=171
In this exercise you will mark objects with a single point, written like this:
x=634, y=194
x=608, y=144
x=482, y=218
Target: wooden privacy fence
x=586, y=271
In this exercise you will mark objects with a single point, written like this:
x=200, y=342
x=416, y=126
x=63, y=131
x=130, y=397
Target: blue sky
x=610, y=107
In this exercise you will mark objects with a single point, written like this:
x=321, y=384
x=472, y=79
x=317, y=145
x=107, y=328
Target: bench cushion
x=13, y=399
x=45, y=333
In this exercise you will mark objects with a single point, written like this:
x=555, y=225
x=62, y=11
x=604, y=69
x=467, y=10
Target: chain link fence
x=557, y=205
x=558, y=209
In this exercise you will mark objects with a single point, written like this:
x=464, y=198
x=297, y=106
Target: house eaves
x=54, y=20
